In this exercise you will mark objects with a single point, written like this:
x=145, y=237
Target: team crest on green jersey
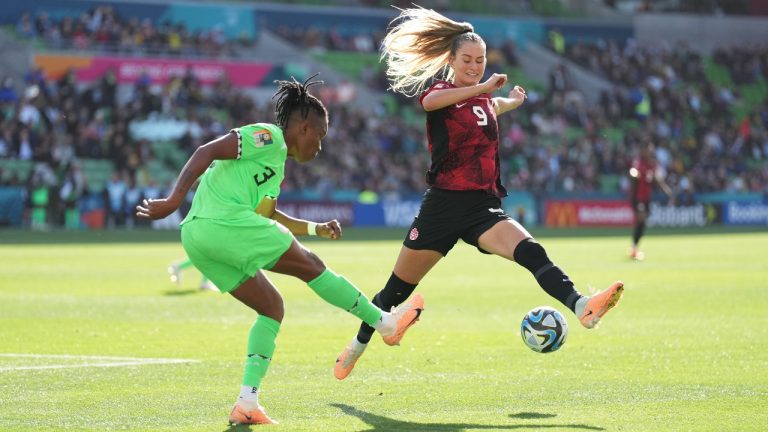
x=262, y=137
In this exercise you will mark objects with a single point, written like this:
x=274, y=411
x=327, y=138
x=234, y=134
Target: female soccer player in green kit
x=233, y=231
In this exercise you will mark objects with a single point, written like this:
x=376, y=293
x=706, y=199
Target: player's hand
x=495, y=82
x=518, y=96
x=330, y=230
x=156, y=208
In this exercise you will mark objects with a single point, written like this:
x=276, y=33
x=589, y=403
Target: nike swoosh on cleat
x=416, y=318
x=588, y=313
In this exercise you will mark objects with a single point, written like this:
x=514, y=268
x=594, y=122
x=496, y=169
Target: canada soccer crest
x=414, y=234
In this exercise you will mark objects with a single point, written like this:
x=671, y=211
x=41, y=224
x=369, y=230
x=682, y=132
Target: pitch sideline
x=92, y=361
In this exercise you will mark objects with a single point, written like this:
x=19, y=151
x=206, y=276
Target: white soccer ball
x=544, y=329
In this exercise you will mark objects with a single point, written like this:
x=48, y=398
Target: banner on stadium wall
x=745, y=213
x=11, y=205
x=697, y=215
x=234, y=21
x=160, y=70
x=522, y=207
x=319, y=211
x=390, y=213
x=572, y=213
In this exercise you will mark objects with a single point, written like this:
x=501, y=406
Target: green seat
x=614, y=135
x=609, y=183
x=20, y=168
x=97, y=172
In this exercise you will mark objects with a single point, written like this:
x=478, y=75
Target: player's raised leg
x=591, y=309
x=337, y=290
x=510, y=240
x=407, y=315
x=412, y=265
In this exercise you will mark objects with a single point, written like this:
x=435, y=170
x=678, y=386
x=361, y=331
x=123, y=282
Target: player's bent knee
x=311, y=267
x=316, y=261
x=530, y=254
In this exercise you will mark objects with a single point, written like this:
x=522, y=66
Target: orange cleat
x=407, y=314
x=600, y=303
x=347, y=359
x=242, y=415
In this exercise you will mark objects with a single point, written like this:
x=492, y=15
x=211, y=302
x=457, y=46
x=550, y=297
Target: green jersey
x=230, y=190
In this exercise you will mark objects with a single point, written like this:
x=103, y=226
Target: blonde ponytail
x=418, y=47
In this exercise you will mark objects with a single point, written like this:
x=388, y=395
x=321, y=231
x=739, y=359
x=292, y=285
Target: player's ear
x=301, y=126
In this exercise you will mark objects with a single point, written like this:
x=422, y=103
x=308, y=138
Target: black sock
x=395, y=292
x=554, y=281
x=638, y=232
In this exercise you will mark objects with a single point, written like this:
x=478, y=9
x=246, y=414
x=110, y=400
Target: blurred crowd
x=708, y=139
x=332, y=39
x=706, y=7
x=103, y=29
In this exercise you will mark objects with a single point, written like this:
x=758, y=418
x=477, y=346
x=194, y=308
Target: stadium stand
x=707, y=112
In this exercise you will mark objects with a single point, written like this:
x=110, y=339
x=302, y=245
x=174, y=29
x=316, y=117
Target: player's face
x=311, y=132
x=647, y=152
x=468, y=64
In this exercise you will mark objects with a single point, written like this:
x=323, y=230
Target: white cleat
x=175, y=274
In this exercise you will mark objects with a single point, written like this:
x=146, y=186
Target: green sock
x=261, y=346
x=184, y=264
x=340, y=292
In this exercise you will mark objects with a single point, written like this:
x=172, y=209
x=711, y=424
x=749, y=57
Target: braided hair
x=293, y=95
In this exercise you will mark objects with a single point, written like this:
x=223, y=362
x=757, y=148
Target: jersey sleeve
x=440, y=85
x=255, y=141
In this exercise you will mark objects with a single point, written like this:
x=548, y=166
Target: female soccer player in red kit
x=643, y=174
x=464, y=196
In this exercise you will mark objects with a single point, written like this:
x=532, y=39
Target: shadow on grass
x=239, y=428
x=380, y=423
x=179, y=293
x=531, y=415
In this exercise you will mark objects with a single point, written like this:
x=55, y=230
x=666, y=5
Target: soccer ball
x=544, y=329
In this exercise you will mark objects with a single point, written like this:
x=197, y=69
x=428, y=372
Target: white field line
x=91, y=361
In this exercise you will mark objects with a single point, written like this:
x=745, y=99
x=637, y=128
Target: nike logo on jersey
x=495, y=210
x=460, y=105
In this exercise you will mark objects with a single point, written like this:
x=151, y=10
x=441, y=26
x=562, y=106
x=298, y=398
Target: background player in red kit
x=644, y=173
x=464, y=196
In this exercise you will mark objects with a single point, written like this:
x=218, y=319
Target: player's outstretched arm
x=224, y=147
x=268, y=208
x=330, y=230
x=516, y=98
x=665, y=187
x=442, y=98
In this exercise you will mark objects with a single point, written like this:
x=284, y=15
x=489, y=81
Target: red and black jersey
x=644, y=173
x=464, y=144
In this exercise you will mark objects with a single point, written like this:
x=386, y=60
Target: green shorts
x=230, y=254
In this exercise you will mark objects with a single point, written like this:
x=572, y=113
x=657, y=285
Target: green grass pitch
x=686, y=349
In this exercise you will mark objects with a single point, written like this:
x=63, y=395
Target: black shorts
x=446, y=216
